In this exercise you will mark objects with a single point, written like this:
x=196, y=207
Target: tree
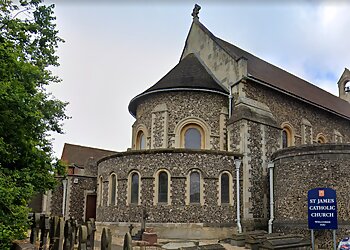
x=28, y=113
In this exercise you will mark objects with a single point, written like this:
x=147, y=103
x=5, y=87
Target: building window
x=100, y=191
x=287, y=135
x=163, y=187
x=135, y=186
x=141, y=140
x=112, y=189
x=192, y=137
x=195, y=187
x=225, y=188
x=320, y=138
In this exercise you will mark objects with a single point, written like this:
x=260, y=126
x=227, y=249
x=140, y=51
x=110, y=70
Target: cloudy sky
x=114, y=50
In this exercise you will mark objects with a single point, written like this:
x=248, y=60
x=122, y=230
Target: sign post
x=322, y=212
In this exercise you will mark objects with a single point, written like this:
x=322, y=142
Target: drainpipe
x=238, y=212
x=230, y=103
x=270, y=166
x=64, y=182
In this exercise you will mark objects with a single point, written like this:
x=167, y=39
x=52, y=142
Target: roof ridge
x=81, y=146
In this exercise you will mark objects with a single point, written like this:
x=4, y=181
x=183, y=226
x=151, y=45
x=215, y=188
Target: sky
x=115, y=50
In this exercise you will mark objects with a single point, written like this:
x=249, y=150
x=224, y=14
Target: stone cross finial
x=195, y=11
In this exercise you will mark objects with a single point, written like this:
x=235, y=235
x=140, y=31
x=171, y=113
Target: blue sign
x=322, y=208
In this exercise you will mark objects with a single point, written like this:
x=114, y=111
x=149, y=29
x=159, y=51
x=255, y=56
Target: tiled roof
x=188, y=74
x=78, y=155
x=283, y=80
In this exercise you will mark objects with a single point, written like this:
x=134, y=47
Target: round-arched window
x=141, y=140
x=192, y=137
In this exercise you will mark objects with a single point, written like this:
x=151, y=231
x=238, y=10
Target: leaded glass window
x=135, y=188
x=225, y=188
x=193, y=138
x=113, y=189
x=194, y=187
x=163, y=187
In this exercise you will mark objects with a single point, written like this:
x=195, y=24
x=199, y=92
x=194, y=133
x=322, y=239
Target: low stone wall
x=183, y=231
x=299, y=169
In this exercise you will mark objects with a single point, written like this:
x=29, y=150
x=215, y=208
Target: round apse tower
x=178, y=169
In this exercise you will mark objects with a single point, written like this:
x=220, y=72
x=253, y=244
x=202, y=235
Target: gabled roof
x=283, y=80
x=188, y=74
x=78, y=155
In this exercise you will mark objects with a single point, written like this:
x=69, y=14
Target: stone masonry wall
x=77, y=194
x=57, y=199
x=285, y=108
x=178, y=162
x=180, y=105
x=299, y=169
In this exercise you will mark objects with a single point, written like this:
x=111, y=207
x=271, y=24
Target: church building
x=225, y=142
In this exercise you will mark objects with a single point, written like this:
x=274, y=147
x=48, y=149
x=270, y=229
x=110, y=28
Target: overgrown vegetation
x=28, y=43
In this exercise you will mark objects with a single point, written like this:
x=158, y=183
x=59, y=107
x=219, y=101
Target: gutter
x=270, y=166
x=238, y=211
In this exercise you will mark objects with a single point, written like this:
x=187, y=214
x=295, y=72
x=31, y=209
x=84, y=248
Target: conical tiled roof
x=188, y=74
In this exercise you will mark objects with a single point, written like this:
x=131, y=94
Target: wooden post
x=82, y=238
x=106, y=239
x=127, y=242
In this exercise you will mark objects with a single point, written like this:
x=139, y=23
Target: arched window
x=141, y=140
x=195, y=187
x=225, y=188
x=320, y=138
x=192, y=137
x=112, y=189
x=163, y=187
x=285, y=141
x=287, y=135
x=134, y=188
x=100, y=191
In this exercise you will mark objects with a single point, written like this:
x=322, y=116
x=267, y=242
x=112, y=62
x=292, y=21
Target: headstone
x=44, y=228
x=106, y=239
x=82, y=238
x=92, y=231
x=68, y=235
x=35, y=228
x=59, y=234
x=127, y=242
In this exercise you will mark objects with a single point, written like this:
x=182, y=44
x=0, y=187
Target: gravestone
x=106, y=239
x=82, y=238
x=44, y=228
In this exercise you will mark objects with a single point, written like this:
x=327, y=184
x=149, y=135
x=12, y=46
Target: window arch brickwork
x=225, y=188
x=162, y=187
x=287, y=135
x=192, y=122
x=112, y=189
x=194, y=187
x=134, y=188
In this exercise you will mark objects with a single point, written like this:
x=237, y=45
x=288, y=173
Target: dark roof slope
x=283, y=80
x=78, y=155
x=188, y=74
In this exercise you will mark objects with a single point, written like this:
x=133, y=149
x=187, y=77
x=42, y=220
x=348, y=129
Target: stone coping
x=168, y=151
x=312, y=149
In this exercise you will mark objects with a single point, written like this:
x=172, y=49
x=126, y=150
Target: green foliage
x=28, y=114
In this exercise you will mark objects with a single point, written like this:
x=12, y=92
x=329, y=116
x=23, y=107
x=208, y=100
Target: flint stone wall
x=180, y=105
x=285, y=108
x=178, y=162
x=299, y=169
x=77, y=194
